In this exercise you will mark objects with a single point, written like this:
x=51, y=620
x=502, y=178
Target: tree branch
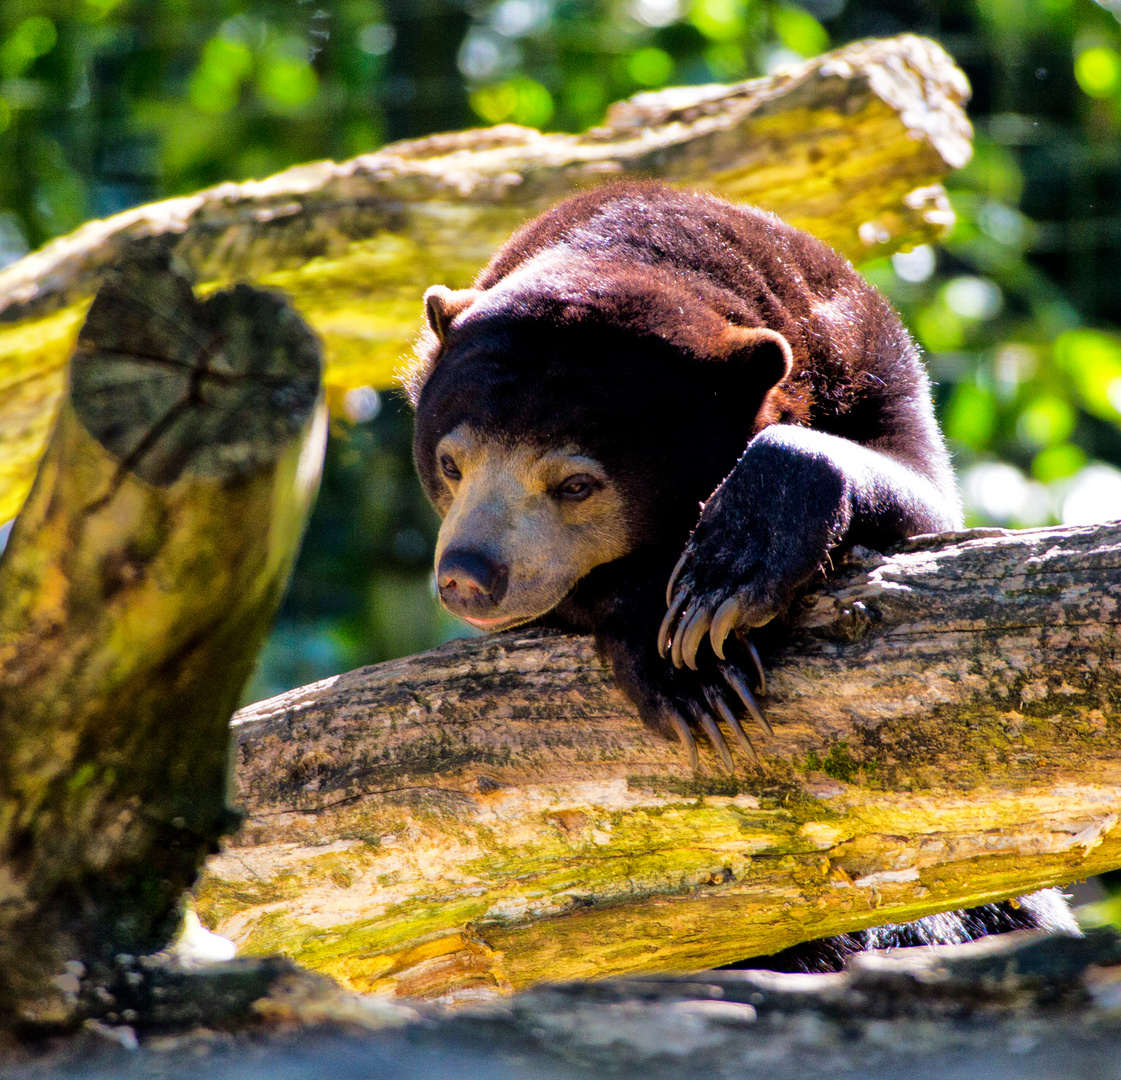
x=493, y=814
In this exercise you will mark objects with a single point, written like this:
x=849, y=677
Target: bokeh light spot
x=1098, y=71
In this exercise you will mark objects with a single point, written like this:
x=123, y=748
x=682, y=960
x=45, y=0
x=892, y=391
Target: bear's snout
x=469, y=580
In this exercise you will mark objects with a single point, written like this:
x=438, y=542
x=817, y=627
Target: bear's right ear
x=767, y=351
x=442, y=305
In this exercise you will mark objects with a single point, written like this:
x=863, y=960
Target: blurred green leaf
x=1093, y=360
x=993, y=171
x=216, y=83
x=971, y=416
x=798, y=30
x=32, y=38
x=940, y=328
x=1046, y=420
x=719, y=20
x=651, y=66
x=524, y=101
x=1058, y=462
x=585, y=97
x=101, y=8
x=1098, y=71
x=286, y=80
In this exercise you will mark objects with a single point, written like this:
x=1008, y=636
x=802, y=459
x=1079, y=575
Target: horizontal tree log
x=492, y=814
x=135, y=589
x=850, y=146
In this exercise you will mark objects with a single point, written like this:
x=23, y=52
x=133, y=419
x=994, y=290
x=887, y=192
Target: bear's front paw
x=683, y=702
x=713, y=595
x=757, y=542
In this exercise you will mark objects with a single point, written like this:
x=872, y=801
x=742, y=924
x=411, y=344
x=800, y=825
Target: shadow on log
x=850, y=146
x=493, y=814
x=136, y=587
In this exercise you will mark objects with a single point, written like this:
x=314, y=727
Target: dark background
x=108, y=103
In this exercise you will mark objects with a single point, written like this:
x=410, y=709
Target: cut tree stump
x=492, y=814
x=137, y=585
x=851, y=146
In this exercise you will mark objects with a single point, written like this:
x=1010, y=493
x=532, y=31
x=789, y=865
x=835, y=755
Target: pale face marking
x=548, y=516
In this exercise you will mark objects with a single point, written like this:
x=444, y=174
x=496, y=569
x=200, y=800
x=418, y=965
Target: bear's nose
x=470, y=579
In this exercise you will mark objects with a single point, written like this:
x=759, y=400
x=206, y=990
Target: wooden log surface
x=851, y=146
x=136, y=587
x=1020, y=1006
x=492, y=814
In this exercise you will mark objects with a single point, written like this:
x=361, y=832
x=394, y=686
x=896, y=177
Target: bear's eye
x=577, y=488
x=448, y=467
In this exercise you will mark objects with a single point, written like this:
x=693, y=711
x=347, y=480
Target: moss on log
x=136, y=587
x=850, y=146
x=493, y=814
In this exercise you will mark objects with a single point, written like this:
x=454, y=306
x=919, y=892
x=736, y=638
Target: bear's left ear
x=442, y=305
x=767, y=352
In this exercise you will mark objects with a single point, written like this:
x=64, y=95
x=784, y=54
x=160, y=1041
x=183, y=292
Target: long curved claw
x=753, y=652
x=716, y=700
x=692, y=634
x=675, y=648
x=723, y=623
x=664, y=631
x=736, y=681
x=708, y=726
x=674, y=576
x=685, y=737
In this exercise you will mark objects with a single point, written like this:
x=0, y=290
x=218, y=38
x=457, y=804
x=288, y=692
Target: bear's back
x=854, y=365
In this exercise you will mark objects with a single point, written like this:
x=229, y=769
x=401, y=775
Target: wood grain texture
x=851, y=146
x=493, y=814
x=135, y=590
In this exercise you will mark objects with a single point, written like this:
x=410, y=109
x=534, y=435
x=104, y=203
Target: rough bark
x=493, y=814
x=1017, y=1007
x=850, y=146
x=136, y=587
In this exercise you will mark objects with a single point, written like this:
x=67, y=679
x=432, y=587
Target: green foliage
x=104, y=105
x=1016, y=311
x=520, y=54
x=1098, y=71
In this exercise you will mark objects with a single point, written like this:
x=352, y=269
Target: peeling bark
x=493, y=814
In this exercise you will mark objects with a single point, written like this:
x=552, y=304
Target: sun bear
x=652, y=418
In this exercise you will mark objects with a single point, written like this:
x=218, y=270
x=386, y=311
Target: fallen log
x=492, y=814
x=850, y=145
x=136, y=587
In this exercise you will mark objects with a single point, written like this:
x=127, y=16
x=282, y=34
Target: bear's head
x=571, y=412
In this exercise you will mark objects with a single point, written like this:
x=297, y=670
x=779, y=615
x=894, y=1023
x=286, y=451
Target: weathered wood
x=850, y=146
x=136, y=587
x=1016, y=1007
x=492, y=814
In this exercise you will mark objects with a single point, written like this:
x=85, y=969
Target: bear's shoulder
x=653, y=261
